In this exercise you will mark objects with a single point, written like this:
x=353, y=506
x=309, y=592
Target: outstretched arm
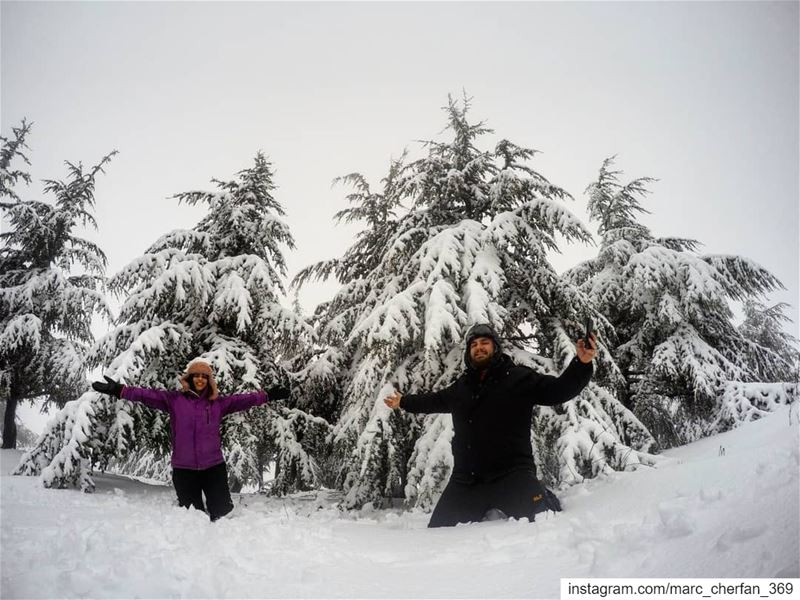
x=548, y=390
x=239, y=402
x=158, y=399
x=426, y=403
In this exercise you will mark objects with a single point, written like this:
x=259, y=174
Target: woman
x=196, y=412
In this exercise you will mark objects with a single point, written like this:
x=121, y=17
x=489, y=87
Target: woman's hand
x=110, y=387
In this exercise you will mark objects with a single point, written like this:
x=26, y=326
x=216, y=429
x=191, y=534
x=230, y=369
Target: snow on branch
x=231, y=296
x=444, y=319
x=745, y=402
x=394, y=322
x=743, y=277
x=20, y=331
x=431, y=463
x=686, y=354
x=144, y=343
x=61, y=454
x=188, y=240
x=551, y=217
x=599, y=436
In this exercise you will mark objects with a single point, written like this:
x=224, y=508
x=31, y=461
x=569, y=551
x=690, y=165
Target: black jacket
x=492, y=417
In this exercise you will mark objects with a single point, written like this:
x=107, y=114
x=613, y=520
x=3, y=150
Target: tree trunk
x=10, y=425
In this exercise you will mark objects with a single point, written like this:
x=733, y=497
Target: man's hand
x=278, y=393
x=110, y=387
x=585, y=355
x=393, y=401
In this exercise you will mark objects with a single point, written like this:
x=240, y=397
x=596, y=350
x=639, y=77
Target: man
x=492, y=405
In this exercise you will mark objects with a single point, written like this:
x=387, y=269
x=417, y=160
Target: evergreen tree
x=51, y=284
x=675, y=342
x=210, y=292
x=470, y=248
x=775, y=361
x=773, y=352
x=25, y=437
x=12, y=150
x=322, y=374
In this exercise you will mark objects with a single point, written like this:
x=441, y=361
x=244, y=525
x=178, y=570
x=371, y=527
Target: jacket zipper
x=194, y=443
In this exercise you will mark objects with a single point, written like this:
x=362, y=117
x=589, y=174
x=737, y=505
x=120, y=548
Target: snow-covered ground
x=723, y=507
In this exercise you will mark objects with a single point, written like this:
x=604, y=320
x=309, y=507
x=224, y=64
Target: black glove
x=111, y=387
x=278, y=393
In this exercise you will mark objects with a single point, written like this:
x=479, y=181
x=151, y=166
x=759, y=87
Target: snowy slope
x=700, y=513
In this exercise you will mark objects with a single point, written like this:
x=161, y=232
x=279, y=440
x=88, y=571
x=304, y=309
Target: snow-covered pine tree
x=674, y=338
x=211, y=292
x=51, y=284
x=326, y=375
x=11, y=150
x=775, y=361
x=471, y=248
x=773, y=352
x=321, y=371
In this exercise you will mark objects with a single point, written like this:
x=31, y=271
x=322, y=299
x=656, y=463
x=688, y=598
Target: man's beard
x=481, y=362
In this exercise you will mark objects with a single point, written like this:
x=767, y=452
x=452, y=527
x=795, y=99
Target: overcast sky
x=702, y=96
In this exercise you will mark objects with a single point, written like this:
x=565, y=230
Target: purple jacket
x=194, y=421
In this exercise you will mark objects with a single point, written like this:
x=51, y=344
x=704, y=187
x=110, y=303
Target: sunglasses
x=201, y=375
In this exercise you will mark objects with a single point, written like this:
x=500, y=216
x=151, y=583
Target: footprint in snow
x=737, y=536
x=787, y=572
x=711, y=495
x=675, y=520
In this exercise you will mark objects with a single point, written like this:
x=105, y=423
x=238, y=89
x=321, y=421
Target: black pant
x=518, y=494
x=190, y=486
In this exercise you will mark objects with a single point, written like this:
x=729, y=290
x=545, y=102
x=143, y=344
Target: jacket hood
x=200, y=367
x=482, y=330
